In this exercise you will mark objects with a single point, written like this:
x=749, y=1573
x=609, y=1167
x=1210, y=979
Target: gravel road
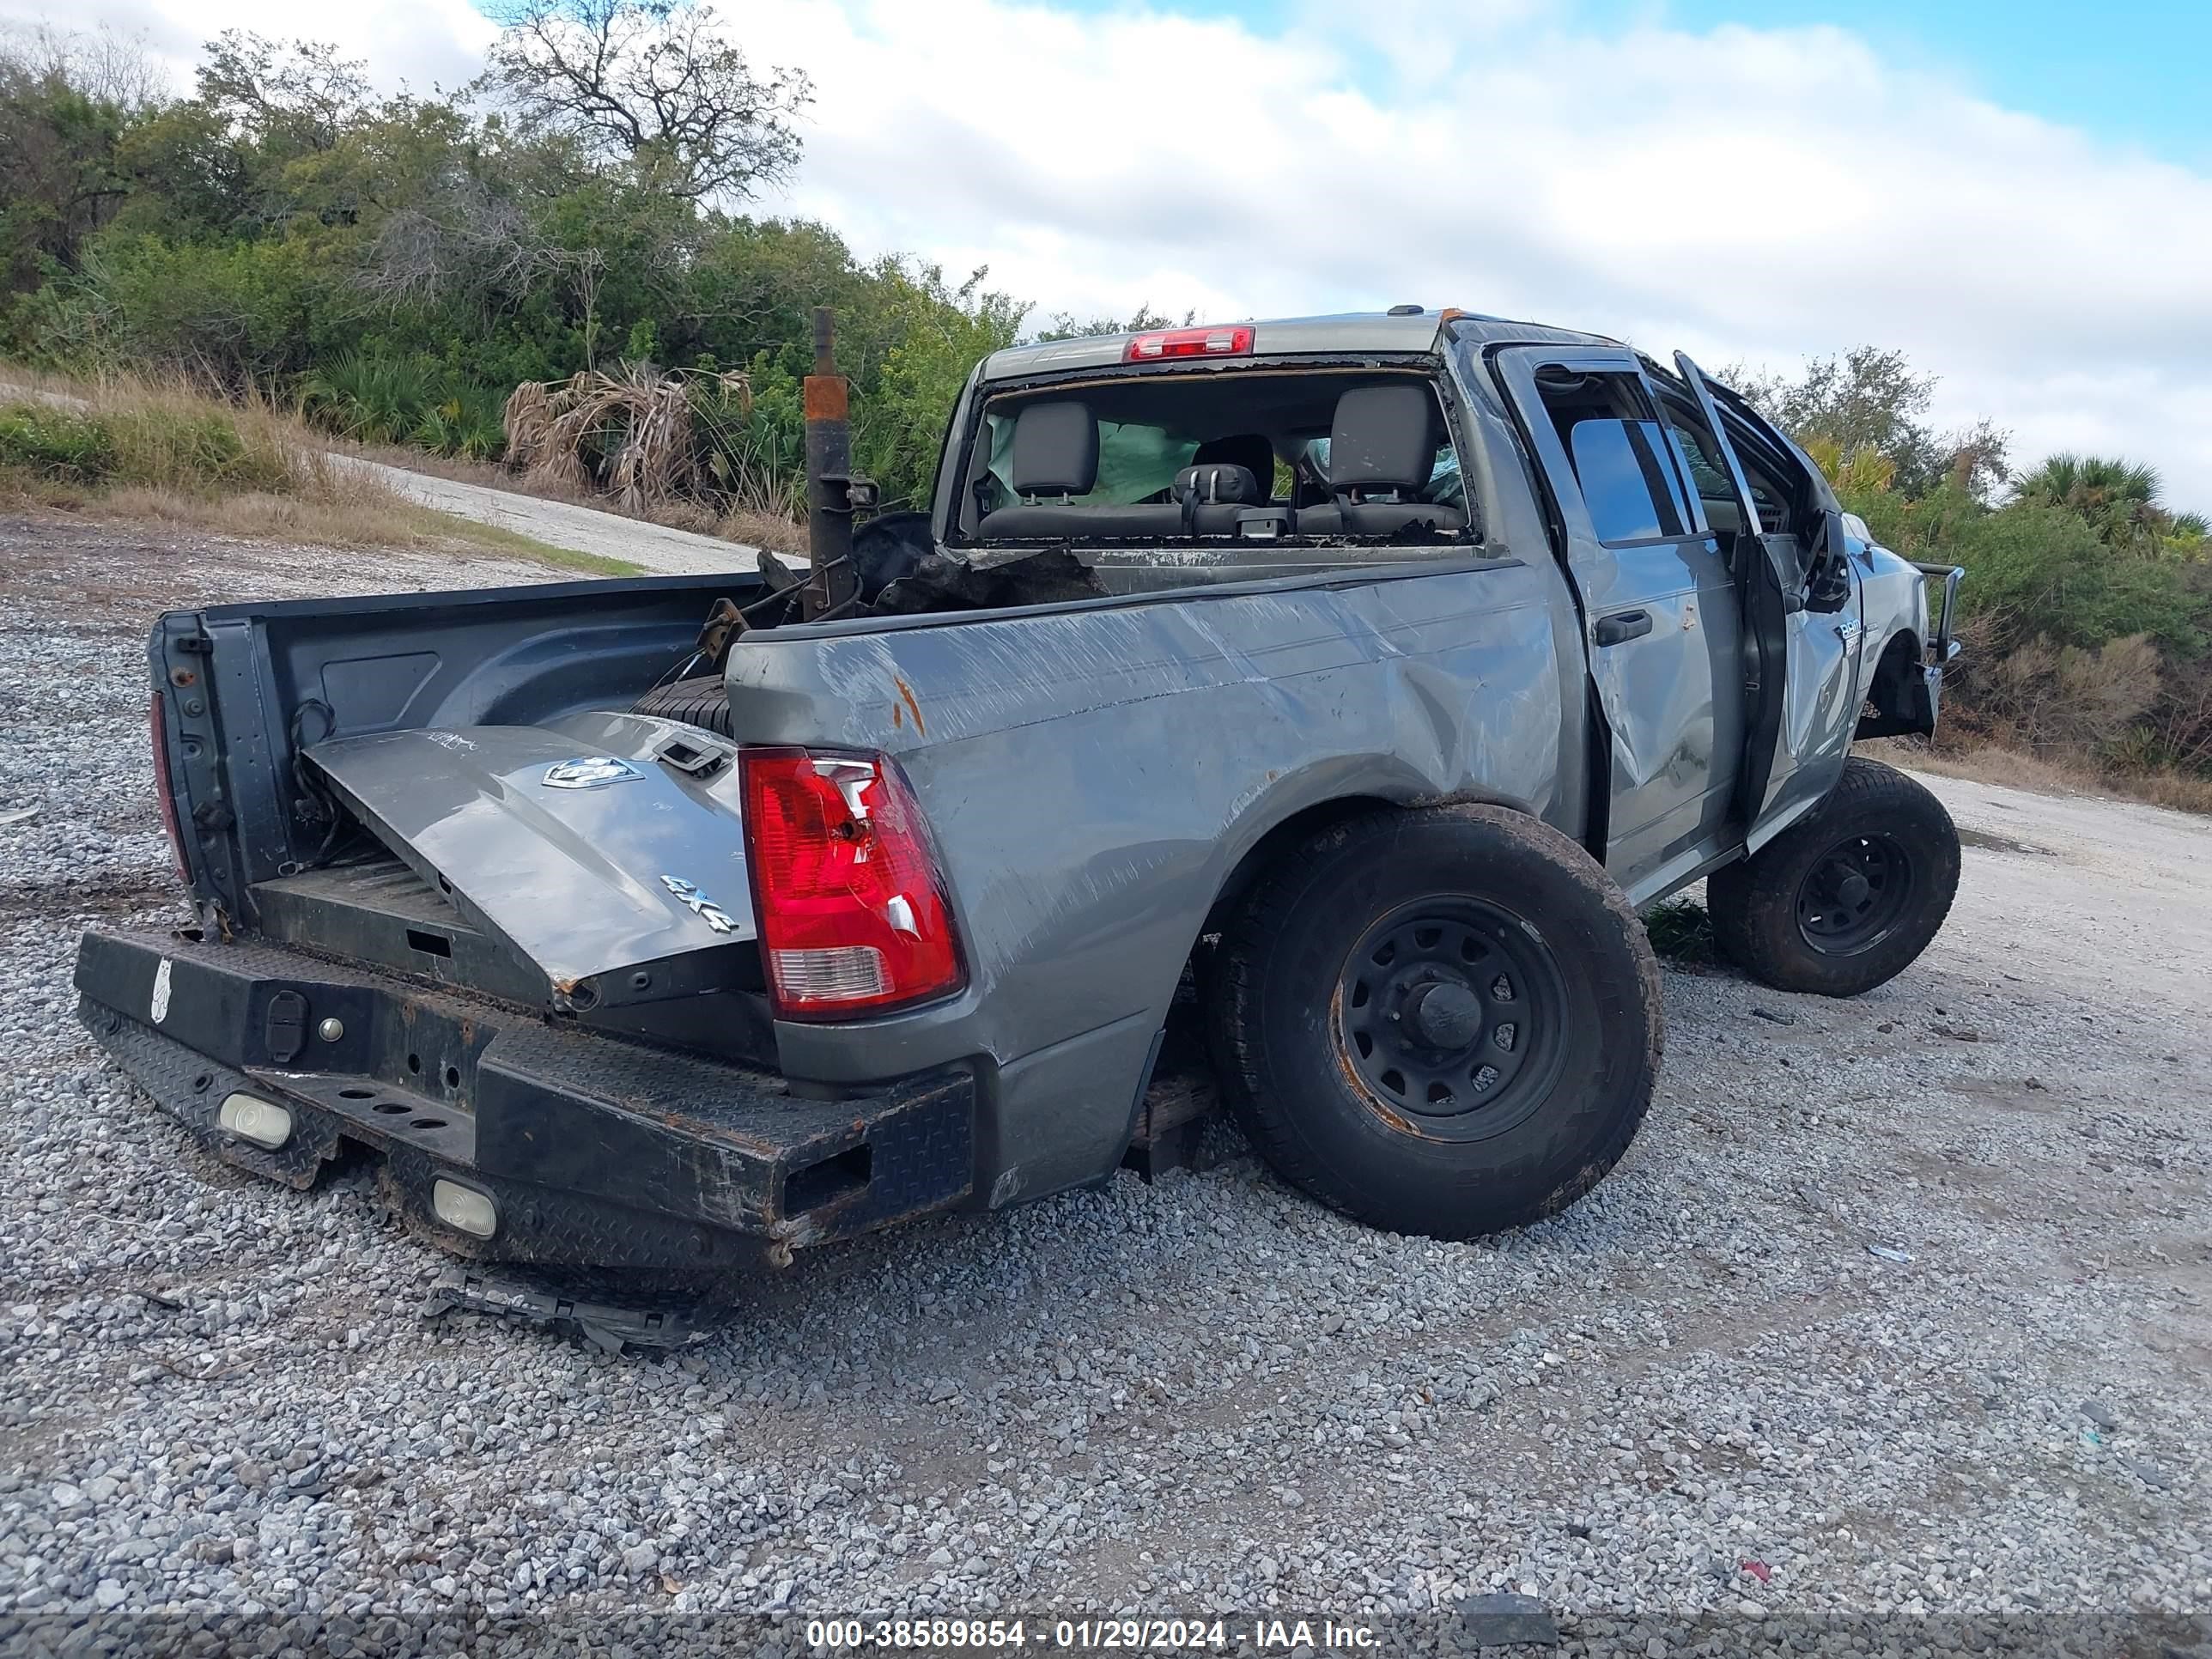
x=1891, y=1334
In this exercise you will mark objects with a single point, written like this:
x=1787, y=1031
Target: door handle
x=1628, y=625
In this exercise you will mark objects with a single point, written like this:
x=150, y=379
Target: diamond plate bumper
x=594, y=1150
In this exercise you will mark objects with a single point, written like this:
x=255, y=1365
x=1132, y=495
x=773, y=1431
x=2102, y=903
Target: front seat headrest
x=1385, y=437
x=1055, y=450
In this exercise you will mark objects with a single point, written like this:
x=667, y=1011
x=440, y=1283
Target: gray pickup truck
x=1303, y=709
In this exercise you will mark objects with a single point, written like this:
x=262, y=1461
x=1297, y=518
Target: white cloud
x=1762, y=194
x=415, y=43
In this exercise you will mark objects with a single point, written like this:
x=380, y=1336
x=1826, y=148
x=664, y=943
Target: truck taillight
x=852, y=911
x=1235, y=341
x=164, y=793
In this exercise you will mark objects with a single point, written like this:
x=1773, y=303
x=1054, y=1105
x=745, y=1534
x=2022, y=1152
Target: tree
x=653, y=82
x=1870, y=402
x=1066, y=327
x=288, y=98
x=2119, y=499
x=65, y=101
x=104, y=66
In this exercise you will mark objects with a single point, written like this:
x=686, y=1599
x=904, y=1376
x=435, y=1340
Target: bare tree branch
x=654, y=82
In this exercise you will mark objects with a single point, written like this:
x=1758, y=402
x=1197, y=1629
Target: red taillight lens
x=1235, y=341
x=852, y=911
x=163, y=793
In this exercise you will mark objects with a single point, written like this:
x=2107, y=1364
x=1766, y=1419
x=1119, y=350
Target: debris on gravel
x=221, y=1406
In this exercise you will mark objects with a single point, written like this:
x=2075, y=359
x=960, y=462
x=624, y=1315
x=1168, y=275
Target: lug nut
x=330, y=1029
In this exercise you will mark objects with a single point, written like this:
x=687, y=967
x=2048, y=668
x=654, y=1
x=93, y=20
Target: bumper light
x=264, y=1123
x=464, y=1209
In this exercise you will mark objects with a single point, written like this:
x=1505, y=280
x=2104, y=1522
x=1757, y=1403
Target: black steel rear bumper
x=592, y=1149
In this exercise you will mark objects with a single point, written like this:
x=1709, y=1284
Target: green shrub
x=158, y=439
x=169, y=445
x=1681, y=931
x=64, y=445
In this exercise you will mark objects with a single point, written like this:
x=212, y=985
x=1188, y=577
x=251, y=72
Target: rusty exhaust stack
x=832, y=492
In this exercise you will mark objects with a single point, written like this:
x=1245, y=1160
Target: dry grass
x=1989, y=762
x=632, y=427
x=166, y=452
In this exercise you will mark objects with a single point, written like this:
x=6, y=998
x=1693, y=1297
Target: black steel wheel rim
x=1449, y=1016
x=1855, y=895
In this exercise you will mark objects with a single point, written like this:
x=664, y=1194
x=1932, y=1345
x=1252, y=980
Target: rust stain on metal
x=1357, y=1084
x=912, y=707
x=824, y=398
x=1397, y=1121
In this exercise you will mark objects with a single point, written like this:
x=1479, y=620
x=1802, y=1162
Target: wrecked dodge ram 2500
x=1307, y=705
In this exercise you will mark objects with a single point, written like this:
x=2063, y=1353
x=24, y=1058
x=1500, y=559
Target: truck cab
x=1720, y=596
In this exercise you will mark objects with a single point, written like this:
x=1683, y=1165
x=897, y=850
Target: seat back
x=1381, y=452
x=1055, y=451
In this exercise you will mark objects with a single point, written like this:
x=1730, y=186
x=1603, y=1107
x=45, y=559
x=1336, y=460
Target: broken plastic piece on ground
x=1502, y=1619
x=603, y=1324
x=1758, y=1569
x=1889, y=1254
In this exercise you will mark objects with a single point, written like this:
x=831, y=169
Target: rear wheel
x=1443, y=1021
x=1847, y=897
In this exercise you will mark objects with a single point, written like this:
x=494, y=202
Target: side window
x=1624, y=465
x=1772, y=496
x=1631, y=493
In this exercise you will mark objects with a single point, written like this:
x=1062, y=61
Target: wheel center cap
x=1444, y=1015
x=1852, y=889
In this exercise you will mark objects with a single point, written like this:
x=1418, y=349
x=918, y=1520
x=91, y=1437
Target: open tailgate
x=606, y=849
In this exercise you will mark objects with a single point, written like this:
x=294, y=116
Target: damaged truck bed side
x=1327, y=693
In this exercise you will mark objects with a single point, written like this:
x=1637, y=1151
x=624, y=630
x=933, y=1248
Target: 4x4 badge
x=700, y=905
x=589, y=771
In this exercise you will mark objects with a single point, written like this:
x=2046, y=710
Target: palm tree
x=2118, y=498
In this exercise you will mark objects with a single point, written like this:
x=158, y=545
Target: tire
x=702, y=701
x=1537, y=964
x=1790, y=915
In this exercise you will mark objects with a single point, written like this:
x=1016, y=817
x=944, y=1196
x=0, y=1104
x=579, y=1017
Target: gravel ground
x=1892, y=1332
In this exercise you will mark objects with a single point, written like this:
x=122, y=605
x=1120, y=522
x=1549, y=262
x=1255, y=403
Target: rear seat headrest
x=1217, y=482
x=1055, y=450
x=1385, y=439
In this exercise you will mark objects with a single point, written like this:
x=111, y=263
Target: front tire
x=1443, y=1021
x=1848, y=897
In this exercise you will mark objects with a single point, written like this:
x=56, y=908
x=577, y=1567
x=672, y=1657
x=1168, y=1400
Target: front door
x=1802, y=625
x=1659, y=615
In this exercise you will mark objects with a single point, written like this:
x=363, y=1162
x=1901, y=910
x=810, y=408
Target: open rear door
x=1798, y=663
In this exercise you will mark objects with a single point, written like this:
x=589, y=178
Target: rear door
x=1800, y=616
x=1659, y=617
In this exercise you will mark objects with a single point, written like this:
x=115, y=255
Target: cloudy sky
x=2017, y=193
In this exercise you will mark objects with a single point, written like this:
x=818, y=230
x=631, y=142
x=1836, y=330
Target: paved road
x=655, y=547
